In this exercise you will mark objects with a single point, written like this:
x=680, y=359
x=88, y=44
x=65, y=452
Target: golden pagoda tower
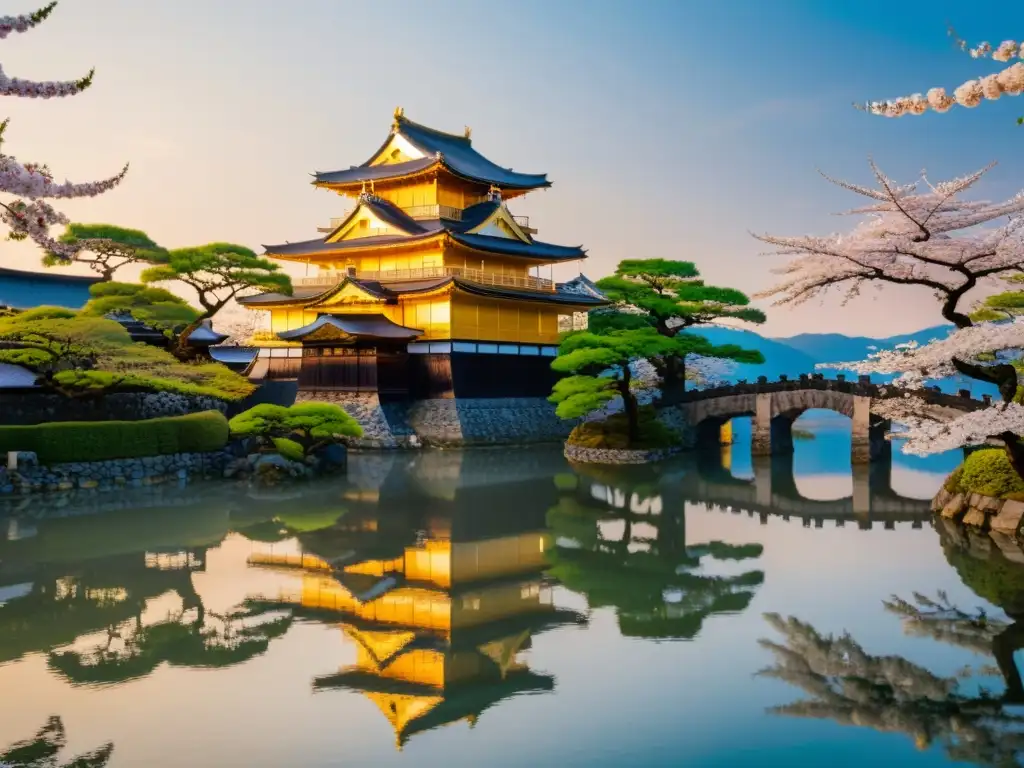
x=429, y=287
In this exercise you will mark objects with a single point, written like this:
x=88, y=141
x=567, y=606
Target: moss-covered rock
x=989, y=473
x=612, y=433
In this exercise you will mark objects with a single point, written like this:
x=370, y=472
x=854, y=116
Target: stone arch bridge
x=775, y=405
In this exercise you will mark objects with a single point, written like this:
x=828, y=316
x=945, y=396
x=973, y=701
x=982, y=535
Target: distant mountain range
x=800, y=354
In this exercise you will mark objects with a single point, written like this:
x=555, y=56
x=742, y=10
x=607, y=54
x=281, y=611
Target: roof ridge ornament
x=467, y=132
x=399, y=116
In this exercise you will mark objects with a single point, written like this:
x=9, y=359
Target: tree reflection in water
x=42, y=750
x=891, y=693
x=658, y=584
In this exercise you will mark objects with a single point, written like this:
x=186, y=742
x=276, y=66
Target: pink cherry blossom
x=920, y=234
x=28, y=216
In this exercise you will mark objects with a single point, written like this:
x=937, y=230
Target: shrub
x=307, y=426
x=613, y=432
x=989, y=473
x=69, y=441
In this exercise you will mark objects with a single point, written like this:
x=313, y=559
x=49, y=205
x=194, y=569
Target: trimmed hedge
x=60, y=442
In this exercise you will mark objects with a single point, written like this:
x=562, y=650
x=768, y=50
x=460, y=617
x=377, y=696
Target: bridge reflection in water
x=773, y=491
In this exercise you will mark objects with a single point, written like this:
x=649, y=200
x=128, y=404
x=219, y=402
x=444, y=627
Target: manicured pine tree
x=671, y=297
x=105, y=248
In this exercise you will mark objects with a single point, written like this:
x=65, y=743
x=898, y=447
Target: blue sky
x=669, y=129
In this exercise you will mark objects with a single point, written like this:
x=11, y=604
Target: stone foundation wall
x=582, y=455
x=31, y=477
x=447, y=423
x=37, y=408
x=988, y=513
x=486, y=421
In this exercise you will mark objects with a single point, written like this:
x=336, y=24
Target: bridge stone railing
x=774, y=405
x=863, y=387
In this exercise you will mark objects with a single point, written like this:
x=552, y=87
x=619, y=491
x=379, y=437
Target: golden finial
x=467, y=132
x=399, y=114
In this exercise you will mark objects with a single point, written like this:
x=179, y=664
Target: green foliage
x=613, y=432
x=80, y=354
x=952, y=481
x=307, y=425
x=989, y=473
x=59, y=442
x=1001, y=306
x=45, y=313
x=105, y=248
x=218, y=272
x=156, y=307
x=289, y=448
x=135, y=240
x=673, y=291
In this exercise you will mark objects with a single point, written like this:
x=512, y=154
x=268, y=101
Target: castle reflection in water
x=438, y=569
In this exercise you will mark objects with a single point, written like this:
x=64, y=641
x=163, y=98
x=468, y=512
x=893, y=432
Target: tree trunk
x=630, y=407
x=673, y=383
x=180, y=347
x=1004, y=645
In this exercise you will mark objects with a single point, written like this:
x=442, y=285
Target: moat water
x=500, y=608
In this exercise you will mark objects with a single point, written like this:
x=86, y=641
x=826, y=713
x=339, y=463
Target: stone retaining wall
x=988, y=513
x=31, y=477
x=582, y=455
x=446, y=422
x=37, y=408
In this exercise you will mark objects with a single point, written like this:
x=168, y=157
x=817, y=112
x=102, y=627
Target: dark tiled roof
x=238, y=356
x=460, y=156
x=507, y=246
x=204, y=335
x=16, y=377
x=455, y=152
x=299, y=293
x=321, y=246
x=582, y=285
x=547, y=297
x=371, y=326
x=53, y=277
x=24, y=290
x=373, y=172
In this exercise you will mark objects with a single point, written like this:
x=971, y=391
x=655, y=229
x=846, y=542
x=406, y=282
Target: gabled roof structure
x=389, y=292
x=335, y=327
x=428, y=150
x=465, y=232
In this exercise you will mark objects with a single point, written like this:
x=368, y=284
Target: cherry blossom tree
x=932, y=239
x=1008, y=81
x=986, y=352
x=29, y=215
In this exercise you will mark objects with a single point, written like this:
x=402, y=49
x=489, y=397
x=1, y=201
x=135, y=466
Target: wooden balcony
x=522, y=282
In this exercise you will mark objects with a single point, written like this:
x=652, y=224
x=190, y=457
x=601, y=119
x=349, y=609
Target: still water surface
x=499, y=608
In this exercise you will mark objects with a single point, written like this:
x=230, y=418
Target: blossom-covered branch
x=29, y=216
x=928, y=238
x=915, y=364
x=929, y=434
x=971, y=93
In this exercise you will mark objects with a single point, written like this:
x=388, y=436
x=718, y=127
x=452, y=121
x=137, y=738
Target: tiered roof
x=422, y=230
x=310, y=296
x=449, y=151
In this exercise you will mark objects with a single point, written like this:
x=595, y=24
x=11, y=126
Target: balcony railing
x=472, y=275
